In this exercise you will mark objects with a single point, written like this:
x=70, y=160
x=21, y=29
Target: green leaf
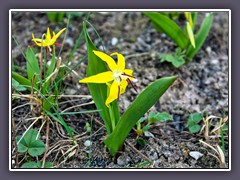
x=36, y=148
x=46, y=165
x=142, y=164
x=141, y=142
x=195, y=128
x=23, y=81
x=178, y=61
x=32, y=65
x=37, y=165
x=52, y=16
x=196, y=117
x=46, y=103
x=163, y=117
x=99, y=91
x=201, y=36
x=146, y=128
x=31, y=144
x=29, y=165
x=17, y=86
x=138, y=108
x=169, y=27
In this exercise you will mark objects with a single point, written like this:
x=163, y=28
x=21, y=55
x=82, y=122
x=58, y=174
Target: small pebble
x=195, y=154
x=87, y=143
x=114, y=41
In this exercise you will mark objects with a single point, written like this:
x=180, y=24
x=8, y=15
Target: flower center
x=117, y=75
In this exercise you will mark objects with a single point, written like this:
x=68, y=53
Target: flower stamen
x=130, y=82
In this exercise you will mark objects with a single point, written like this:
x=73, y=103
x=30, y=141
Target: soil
x=202, y=86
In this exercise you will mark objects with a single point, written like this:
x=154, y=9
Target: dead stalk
x=15, y=143
x=47, y=143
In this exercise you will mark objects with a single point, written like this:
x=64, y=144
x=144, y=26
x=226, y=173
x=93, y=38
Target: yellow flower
x=117, y=78
x=49, y=40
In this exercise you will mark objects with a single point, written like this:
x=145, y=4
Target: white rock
x=195, y=154
x=87, y=143
x=114, y=41
x=148, y=134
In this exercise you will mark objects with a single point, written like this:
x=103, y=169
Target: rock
x=195, y=154
x=114, y=41
x=123, y=160
x=87, y=143
x=69, y=41
x=148, y=134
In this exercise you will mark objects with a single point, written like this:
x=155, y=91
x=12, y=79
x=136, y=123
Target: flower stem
x=113, y=122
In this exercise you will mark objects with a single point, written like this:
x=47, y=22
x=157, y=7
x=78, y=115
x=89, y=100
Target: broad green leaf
x=37, y=165
x=178, y=61
x=195, y=128
x=29, y=165
x=196, y=117
x=147, y=127
x=31, y=143
x=32, y=65
x=23, y=81
x=201, y=36
x=21, y=147
x=99, y=91
x=138, y=108
x=169, y=27
x=46, y=165
x=162, y=117
x=36, y=148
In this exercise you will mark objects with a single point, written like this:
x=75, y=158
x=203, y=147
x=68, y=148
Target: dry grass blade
x=218, y=151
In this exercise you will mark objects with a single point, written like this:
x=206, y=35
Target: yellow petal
x=190, y=34
x=113, y=93
x=48, y=35
x=58, y=34
x=123, y=86
x=98, y=78
x=108, y=59
x=129, y=72
x=121, y=61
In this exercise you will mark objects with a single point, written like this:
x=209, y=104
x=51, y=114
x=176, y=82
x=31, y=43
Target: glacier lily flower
x=117, y=78
x=49, y=40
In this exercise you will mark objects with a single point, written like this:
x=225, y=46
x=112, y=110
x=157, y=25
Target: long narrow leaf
x=168, y=27
x=23, y=81
x=99, y=91
x=139, y=107
x=201, y=36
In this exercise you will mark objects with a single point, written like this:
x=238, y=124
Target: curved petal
x=48, y=35
x=129, y=72
x=59, y=33
x=42, y=43
x=121, y=61
x=108, y=59
x=123, y=86
x=98, y=78
x=113, y=93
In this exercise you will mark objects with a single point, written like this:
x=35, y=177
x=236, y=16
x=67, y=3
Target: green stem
x=113, y=122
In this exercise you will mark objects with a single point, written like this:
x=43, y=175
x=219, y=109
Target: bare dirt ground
x=202, y=87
